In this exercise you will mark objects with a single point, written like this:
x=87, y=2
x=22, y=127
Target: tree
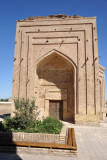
x=26, y=114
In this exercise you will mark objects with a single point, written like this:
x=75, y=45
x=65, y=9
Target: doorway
x=56, y=79
x=56, y=109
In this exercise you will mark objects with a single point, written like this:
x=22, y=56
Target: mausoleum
x=56, y=62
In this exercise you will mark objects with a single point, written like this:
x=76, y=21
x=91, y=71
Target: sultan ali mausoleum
x=56, y=62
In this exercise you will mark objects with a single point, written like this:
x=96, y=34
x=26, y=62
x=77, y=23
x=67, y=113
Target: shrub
x=25, y=120
x=49, y=125
x=25, y=116
x=40, y=128
x=26, y=113
x=9, y=124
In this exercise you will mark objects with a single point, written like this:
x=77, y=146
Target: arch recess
x=54, y=51
x=61, y=92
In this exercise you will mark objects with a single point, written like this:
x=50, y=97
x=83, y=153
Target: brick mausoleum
x=56, y=62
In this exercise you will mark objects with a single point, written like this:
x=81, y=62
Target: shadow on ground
x=8, y=150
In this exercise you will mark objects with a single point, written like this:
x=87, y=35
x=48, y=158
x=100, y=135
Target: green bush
x=40, y=127
x=49, y=125
x=9, y=124
x=25, y=116
x=26, y=113
x=25, y=120
x=52, y=125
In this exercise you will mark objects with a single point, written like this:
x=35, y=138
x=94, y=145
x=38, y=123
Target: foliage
x=49, y=125
x=26, y=113
x=25, y=120
x=9, y=124
x=4, y=100
x=25, y=116
x=52, y=125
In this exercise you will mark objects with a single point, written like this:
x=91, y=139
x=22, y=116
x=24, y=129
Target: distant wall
x=5, y=109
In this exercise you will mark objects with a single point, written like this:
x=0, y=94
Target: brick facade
x=56, y=58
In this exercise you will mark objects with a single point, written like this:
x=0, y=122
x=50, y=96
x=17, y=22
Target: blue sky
x=12, y=10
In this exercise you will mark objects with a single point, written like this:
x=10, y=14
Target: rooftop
x=59, y=16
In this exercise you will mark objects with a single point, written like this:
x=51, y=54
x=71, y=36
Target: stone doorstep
x=87, y=123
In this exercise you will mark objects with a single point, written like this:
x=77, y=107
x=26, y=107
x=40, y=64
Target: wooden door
x=56, y=109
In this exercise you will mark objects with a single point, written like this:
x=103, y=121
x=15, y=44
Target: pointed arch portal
x=56, y=76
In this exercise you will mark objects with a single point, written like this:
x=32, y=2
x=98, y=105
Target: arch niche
x=55, y=83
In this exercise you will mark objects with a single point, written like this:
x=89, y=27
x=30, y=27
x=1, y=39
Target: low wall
x=39, y=140
x=34, y=137
x=29, y=137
